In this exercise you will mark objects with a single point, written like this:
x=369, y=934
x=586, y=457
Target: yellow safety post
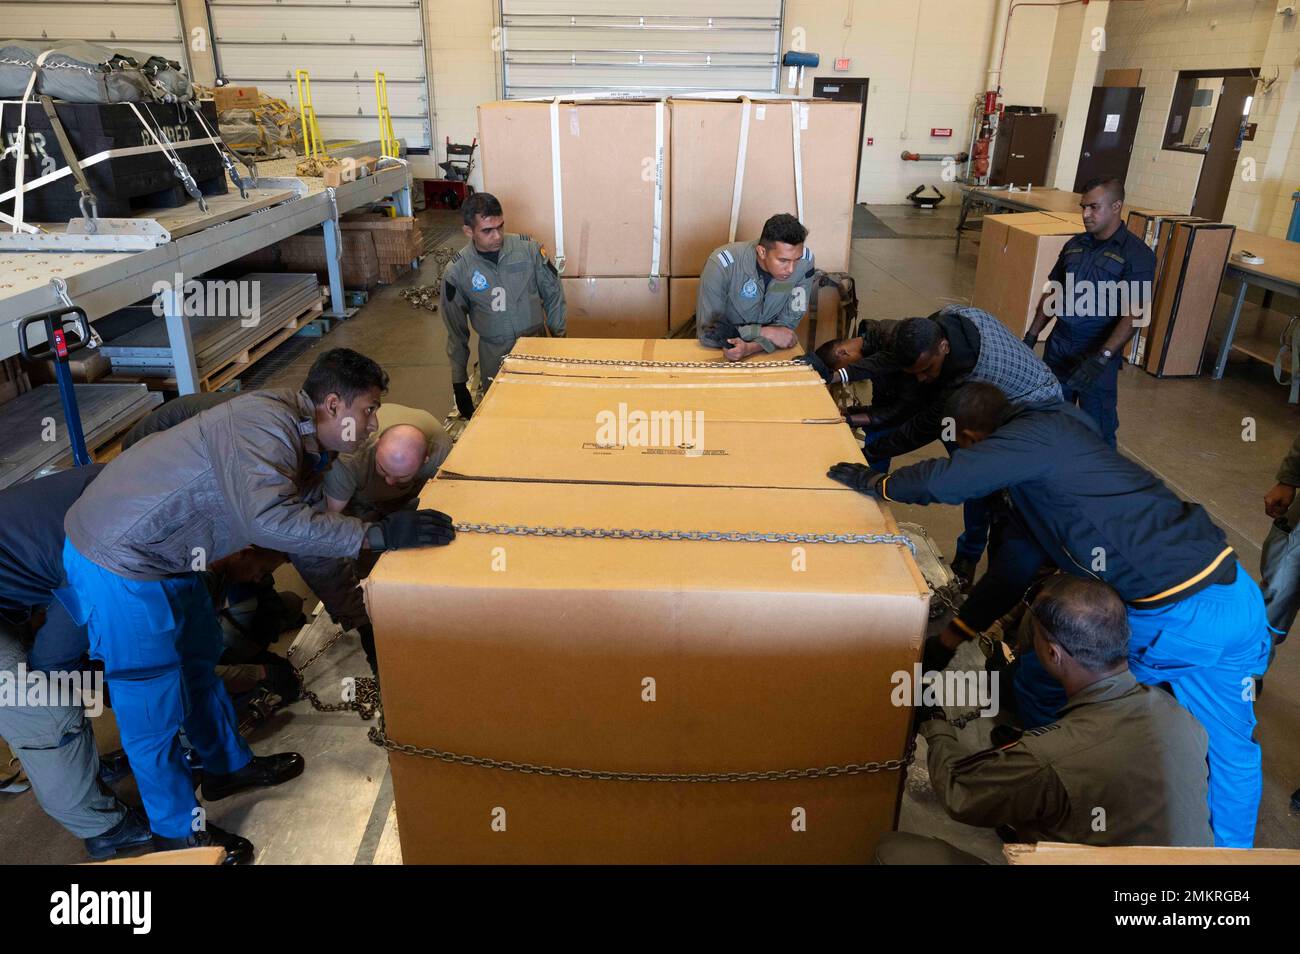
x=312, y=143
x=387, y=137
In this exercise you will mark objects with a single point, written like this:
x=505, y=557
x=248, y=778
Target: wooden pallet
x=232, y=368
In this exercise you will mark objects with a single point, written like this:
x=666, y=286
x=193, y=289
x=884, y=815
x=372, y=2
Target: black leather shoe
x=131, y=832
x=239, y=851
x=262, y=772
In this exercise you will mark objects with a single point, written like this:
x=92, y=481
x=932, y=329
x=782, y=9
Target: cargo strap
x=738, y=189
x=182, y=171
x=379, y=736
x=706, y=536
x=89, y=207
x=656, y=234
x=227, y=155
x=641, y=363
x=557, y=193
x=94, y=160
x=795, y=114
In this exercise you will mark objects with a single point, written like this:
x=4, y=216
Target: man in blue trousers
x=245, y=472
x=1196, y=617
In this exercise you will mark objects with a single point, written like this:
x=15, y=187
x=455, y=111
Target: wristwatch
x=1107, y=353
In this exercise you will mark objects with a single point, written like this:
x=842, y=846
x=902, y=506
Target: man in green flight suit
x=753, y=294
x=504, y=287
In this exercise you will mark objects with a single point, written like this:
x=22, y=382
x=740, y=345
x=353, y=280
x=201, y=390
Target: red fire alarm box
x=941, y=133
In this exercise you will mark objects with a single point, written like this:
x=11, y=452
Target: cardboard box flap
x=544, y=659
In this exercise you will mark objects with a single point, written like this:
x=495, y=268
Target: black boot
x=113, y=767
x=131, y=832
x=262, y=772
x=239, y=851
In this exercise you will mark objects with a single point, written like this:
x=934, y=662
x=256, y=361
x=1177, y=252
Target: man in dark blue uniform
x=1100, y=292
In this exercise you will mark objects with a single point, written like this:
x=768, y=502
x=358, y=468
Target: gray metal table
x=1280, y=273
x=1002, y=200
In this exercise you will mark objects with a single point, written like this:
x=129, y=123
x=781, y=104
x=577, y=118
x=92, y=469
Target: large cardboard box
x=610, y=171
x=234, y=97
x=1186, y=292
x=646, y=656
x=358, y=262
x=615, y=307
x=1017, y=251
x=1060, y=853
x=705, y=145
x=682, y=296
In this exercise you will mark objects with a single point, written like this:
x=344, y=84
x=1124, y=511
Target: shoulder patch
x=726, y=259
x=810, y=273
x=526, y=238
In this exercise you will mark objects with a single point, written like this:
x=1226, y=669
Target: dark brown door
x=1225, y=148
x=1108, y=135
x=1022, y=149
x=848, y=90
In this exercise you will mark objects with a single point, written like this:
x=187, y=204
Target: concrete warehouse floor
x=1187, y=431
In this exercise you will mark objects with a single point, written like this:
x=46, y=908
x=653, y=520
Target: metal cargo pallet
x=104, y=282
x=107, y=410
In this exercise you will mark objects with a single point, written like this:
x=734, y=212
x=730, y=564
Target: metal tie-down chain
x=708, y=536
x=643, y=363
x=365, y=703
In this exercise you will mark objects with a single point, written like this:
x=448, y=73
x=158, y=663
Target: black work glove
x=464, y=403
x=1030, y=339
x=1086, y=374
x=411, y=528
x=857, y=477
x=935, y=656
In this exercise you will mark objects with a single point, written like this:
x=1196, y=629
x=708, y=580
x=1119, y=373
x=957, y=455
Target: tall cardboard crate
x=1185, y=295
x=615, y=307
x=614, y=168
x=706, y=145
x=1017, y=252
x=647, y=656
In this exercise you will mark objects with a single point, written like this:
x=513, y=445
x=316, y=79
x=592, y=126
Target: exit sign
x=941, y=133
x=842, y=64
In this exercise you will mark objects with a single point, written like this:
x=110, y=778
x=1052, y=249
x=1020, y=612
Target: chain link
x=365, y=703
x=378, y=735
x=710, y=536
x=644, y=363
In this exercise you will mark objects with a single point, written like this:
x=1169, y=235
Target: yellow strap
x=1187, y=583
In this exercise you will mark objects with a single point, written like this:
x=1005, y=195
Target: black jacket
x=31, y=538
x=1093, y=511
x=924, y=422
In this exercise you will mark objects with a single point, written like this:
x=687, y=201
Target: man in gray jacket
x=234, y=475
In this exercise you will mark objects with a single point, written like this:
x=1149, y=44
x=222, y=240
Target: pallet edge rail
x=129, y=277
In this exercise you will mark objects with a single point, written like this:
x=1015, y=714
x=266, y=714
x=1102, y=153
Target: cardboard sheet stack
x=646, y=189
x=647, y=656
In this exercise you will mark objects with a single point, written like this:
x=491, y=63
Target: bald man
x=384, y=475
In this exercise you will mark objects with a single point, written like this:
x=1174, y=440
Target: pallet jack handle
x=58, y=347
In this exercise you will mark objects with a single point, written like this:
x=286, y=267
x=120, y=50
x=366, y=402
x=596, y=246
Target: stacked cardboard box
x=612, y=186
x=1017, y=251
x=398, y=241
x=647, y=656
x=647, y=190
